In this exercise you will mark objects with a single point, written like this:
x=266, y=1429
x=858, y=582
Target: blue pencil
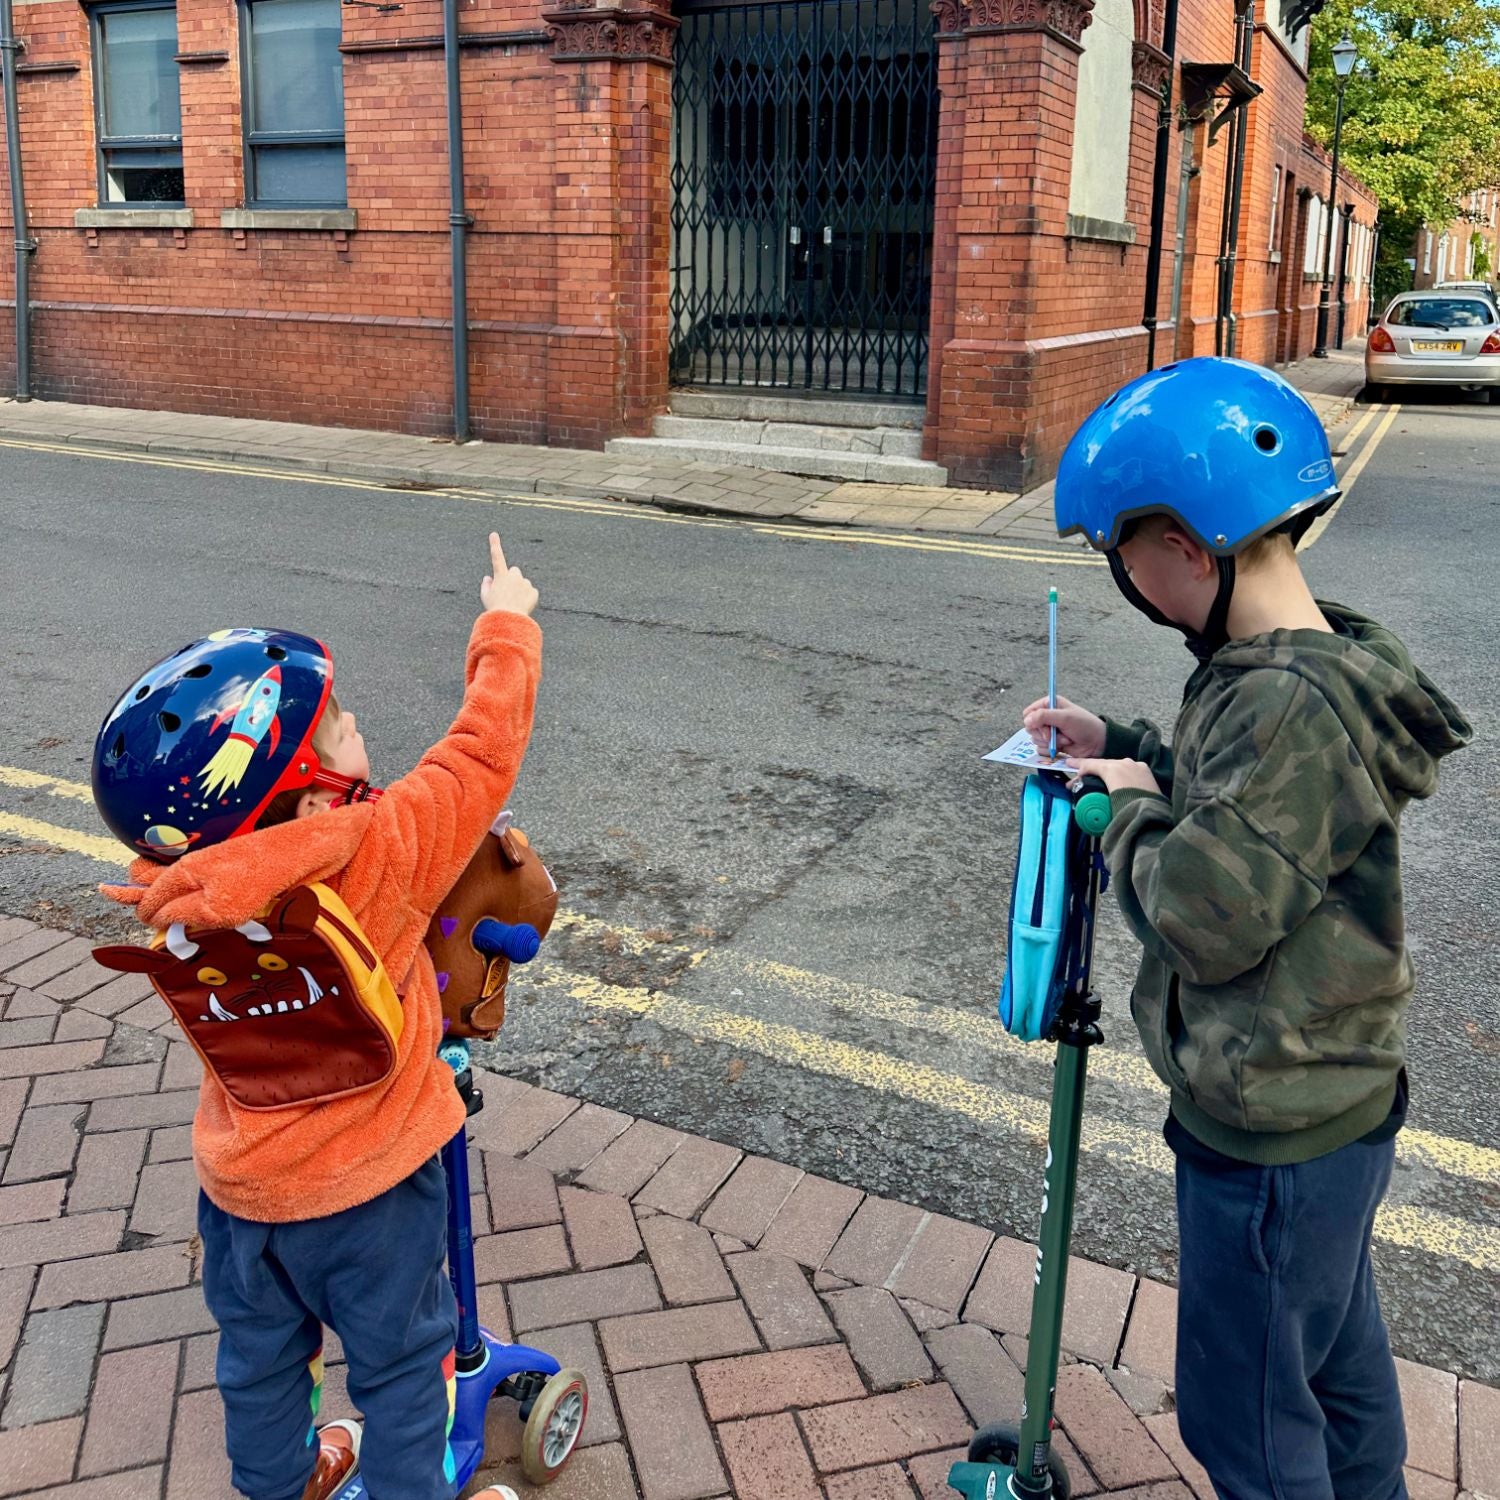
x=1052, y=661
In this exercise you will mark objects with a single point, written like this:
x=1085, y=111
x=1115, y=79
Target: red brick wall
x=567, y=159
x=1481, y=215
x=1032, y=328
x=566, y=168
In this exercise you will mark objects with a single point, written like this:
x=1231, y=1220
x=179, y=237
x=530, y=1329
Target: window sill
x=133, y=218
x=1081, y=227
x=1276, y=257
x=288, y=218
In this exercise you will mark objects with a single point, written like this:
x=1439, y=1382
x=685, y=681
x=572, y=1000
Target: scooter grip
x=1092, y=808
x=517, y=941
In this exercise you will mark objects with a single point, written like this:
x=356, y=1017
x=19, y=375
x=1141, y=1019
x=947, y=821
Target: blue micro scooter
x=553, y=1402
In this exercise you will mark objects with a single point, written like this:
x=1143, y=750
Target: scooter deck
x=475, y=1390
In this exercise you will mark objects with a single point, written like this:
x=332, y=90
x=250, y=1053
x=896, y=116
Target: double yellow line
x=1350, y=477
x=809, y=1049
x=1061, y=555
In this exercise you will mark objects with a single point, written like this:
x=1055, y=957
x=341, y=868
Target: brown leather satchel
x=505, y=880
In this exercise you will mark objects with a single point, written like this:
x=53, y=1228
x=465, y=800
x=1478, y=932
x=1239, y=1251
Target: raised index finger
x=497, y=556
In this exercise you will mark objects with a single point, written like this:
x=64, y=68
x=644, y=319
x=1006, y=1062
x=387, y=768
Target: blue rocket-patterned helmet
x=1228, y=449
x=198, y=746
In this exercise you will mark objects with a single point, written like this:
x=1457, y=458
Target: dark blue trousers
x=375, y=1274
x=1286, y=1389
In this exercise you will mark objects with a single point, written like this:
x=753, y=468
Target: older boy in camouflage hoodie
x=1257, y=862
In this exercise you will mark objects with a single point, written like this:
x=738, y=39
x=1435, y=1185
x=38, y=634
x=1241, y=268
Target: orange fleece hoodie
x=393, y=861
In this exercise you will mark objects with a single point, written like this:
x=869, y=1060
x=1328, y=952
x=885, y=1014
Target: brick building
x=1466, y=249
x=241, y=207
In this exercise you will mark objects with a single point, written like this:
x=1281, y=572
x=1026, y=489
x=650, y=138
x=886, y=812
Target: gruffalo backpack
x=293, y=1007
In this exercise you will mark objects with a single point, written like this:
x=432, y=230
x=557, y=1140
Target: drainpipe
x=1347, y=213
x=458, y=222
x=1244, y=23
x=1184, y=196
x=25, y=245
x=1159, y=183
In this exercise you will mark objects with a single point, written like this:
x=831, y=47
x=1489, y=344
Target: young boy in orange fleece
x=333, y=1212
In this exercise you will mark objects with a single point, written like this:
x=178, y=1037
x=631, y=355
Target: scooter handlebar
x=517, y=941
x=1092, y=809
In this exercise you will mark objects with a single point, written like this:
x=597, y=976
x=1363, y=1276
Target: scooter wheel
x=1000, y=1444
x=553, y=1428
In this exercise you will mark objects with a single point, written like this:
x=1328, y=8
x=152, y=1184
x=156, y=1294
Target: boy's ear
x=315, y=799
x=1198, y=558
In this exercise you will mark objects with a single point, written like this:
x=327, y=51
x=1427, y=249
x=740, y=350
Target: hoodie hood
x=1400, y=722
x=227, y=884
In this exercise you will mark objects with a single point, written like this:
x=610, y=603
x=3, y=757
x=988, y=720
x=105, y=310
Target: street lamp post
x=1344, y=56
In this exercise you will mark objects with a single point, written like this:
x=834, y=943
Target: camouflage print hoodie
x=1267, y=891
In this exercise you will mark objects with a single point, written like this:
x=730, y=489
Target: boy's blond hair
x=1248, y=559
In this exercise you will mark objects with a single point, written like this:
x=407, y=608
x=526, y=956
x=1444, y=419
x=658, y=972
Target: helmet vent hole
x=141, y=692
x=169, y=721
x=1267, y=439
x=201, y=670
x=276, y=653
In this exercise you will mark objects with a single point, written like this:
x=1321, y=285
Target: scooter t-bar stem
x=1021, y=1459
x=1077, y=1032
x=1059, y=1181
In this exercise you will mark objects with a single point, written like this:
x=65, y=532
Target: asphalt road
x=756, y=774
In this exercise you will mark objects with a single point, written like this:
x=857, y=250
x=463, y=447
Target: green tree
x=1482, y=266
x=1422, y=111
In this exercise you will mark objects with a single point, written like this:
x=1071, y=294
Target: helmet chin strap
x=350, y=788
x=1202, y=643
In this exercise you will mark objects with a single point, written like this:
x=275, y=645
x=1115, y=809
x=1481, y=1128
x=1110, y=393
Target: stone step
x=816, y=411
x=892, y=442
x=826, y=463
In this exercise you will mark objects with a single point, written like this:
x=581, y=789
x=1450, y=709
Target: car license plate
x=1433, y=346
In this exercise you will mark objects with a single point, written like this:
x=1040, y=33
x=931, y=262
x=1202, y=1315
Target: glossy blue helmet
x=1230, y=450
x=198, y=746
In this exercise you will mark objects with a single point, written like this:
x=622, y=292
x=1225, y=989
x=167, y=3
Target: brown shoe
x=338, y=1458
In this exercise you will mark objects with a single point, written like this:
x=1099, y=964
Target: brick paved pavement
x=747, y=1330
x=404, y=461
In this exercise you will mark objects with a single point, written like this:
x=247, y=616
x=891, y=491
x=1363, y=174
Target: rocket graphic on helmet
x=196, y=748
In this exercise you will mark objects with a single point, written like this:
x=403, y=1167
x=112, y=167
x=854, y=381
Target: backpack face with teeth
x=271, y=1006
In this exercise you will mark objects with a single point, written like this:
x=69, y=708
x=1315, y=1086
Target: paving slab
x=765, y=1390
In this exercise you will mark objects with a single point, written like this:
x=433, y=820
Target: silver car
x=1469, y=286
x=1435, y=338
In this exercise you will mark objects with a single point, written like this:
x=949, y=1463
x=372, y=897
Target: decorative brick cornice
x=952, y=17
x=1066, y=20
x=583, y=32
x=1150, y=67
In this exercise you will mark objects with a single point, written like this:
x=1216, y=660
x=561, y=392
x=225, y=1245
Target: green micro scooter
x=1047, y=996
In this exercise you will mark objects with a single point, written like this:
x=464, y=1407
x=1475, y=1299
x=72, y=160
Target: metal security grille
x=803, y=149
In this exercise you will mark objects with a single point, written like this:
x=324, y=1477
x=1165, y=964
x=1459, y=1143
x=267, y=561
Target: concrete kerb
x=686, y=487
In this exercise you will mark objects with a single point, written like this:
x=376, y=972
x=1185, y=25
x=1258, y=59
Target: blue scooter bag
x=1051, y=864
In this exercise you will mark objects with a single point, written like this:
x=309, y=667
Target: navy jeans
x=1286, y=1389
x=375, y=1274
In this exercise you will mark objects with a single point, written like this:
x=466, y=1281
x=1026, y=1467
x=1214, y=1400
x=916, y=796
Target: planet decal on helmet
x=163, y=839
